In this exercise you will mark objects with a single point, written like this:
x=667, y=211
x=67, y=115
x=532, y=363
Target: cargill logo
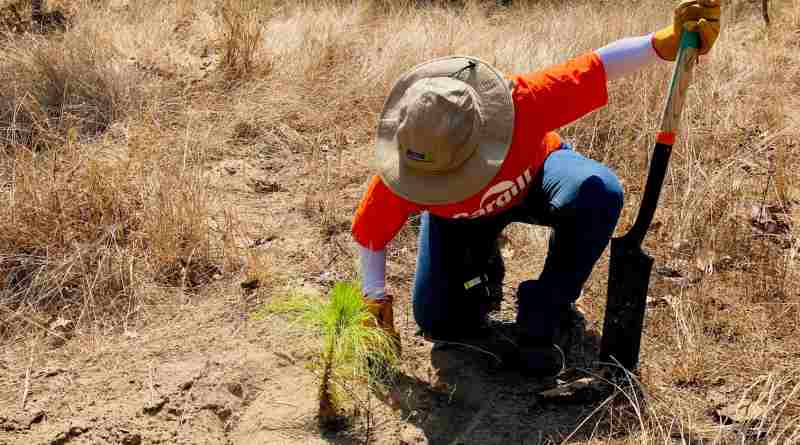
x=500, y=195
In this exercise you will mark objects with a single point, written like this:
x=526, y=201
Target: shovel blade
x=628, y=280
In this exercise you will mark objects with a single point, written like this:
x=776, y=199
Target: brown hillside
x=167, y=168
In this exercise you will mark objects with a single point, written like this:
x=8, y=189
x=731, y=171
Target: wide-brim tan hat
x=445, y=130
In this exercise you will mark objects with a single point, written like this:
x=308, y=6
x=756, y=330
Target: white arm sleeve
x=627, y=56
x=373, y=272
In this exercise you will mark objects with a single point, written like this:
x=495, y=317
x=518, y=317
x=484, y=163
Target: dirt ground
x=195, y=366
x=206, y=372
x=216, y=380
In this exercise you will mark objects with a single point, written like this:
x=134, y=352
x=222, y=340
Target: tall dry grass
x=103, y=200
x=105, y=135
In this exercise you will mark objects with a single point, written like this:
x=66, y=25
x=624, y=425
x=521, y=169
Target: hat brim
x=493, y=139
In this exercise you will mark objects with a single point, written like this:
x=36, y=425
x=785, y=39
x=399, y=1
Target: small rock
x=261, y=241
x=718, y=398
x=132, y=439
x=64, y=437
x=262, y=186
x=36, y=417
x=60, y=331
x=154, y=406
x=251, y=284
x=21, y=420
x=235, y=388
x=668, y=272
x=49, y=372
x=287, y=359
x=413, y=435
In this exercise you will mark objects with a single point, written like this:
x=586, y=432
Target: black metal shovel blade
x=628, y=280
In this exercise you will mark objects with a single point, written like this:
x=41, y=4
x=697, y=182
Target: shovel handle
x=670, y=122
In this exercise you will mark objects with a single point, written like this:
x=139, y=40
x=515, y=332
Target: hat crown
x=438, y=118
x=445, y=130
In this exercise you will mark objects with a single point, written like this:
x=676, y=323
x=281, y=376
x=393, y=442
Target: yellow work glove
x=701, y=16
x=383, y=317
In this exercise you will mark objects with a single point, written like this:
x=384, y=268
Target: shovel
x=629, y=267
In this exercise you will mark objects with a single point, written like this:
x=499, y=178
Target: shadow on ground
x=489, y=403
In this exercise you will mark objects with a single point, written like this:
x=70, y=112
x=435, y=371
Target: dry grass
x=105, y=137
x=102, y=201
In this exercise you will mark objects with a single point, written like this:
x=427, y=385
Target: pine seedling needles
x=352, y=349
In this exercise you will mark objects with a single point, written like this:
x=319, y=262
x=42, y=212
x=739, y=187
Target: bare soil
x=213, y=380
x=205, y=372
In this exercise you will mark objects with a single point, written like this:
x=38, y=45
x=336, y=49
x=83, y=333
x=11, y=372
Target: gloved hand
x=383, y=317
x=702, y=16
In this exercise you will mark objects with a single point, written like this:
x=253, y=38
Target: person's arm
x=562, y=93
x=373, y=272
x=627, y=56
x=380, y=216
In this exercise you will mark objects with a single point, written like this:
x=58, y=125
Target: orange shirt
x=543, y=101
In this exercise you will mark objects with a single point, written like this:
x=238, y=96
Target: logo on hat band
x=419, y=157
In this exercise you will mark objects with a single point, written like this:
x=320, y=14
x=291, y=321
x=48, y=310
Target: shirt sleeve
x=562, y=93
x=626, y=56
x=380, y=215
x=373, y=272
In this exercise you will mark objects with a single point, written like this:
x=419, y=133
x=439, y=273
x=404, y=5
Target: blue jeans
x=579, y=198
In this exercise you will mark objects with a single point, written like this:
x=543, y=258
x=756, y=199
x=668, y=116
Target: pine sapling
x=352, y=350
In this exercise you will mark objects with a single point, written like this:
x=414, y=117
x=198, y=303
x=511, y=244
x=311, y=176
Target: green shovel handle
x=670, y=120
x=681, y=78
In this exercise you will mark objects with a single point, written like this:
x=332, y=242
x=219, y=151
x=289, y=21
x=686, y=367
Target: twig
x=278, y=402
x=27, y=386
x=762, y=211
x=467, y=345
x=151, y=382
x=765, y=11
x=20, y=315
x=369, y=418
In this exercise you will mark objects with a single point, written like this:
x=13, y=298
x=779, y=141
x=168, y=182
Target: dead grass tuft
x=53, y=86
x=241, y=40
